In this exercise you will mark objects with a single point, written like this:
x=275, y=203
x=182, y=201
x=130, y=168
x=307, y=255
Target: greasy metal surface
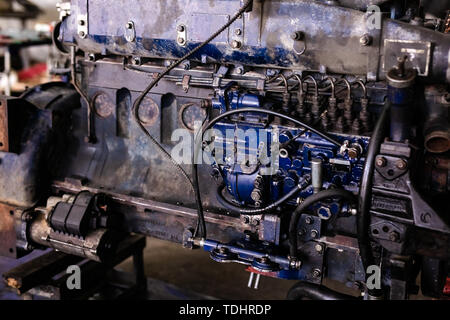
x=163, y=220
x=267, y=29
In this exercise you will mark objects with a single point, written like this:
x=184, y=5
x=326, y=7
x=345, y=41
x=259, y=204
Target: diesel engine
x=307, y=140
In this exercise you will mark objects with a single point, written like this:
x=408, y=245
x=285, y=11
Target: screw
x=309, y=220
x=181, y=40
x=81, y=22
x=298, y=35
x=91, y=57
x=314, y=233
x=316, y=273
x=302, y=232
x=81, y=34
x=365, y=40
x=318, y=248
x=137, y=61
x=238, y=32
x=236, y=44
x=129, y=25
x=394, y=236
x=239, y=71
x=381, y=162
x=180, y=28
x=425, y=217
x=402, y=164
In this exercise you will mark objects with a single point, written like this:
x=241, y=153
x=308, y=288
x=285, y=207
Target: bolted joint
x=365, y=40
x=236, y=44
x=381, y=162
x=297, y=36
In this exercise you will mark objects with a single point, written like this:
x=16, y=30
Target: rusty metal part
x=30, y=274
x=149, y=111
x=438, y=141
x=4, y=136
x=163, y=220
x=46, y=276
x=104, y=106
x=7, y=231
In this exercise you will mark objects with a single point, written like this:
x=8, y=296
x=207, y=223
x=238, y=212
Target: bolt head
x=223, y=250
x=381, y=162
x=318, y=248
x=314, y=234
x=401, y=164
x=394, y=236
x=298, y=35
x=236, y=44
x=365, y=40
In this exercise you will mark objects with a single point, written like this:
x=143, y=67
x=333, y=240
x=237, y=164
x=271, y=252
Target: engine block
x=307, y=140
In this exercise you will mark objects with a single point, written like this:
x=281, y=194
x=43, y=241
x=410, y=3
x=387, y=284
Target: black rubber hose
x=323, y=195
x=253, y=212
x=311, y=291
x=365, y=192
x=211, y=123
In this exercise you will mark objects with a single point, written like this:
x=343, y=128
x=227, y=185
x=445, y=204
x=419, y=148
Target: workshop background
x=164, y=262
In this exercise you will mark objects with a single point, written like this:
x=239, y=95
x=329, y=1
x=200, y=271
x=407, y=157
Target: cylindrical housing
x=317, y=174
x=401, y=97
x=99, y=245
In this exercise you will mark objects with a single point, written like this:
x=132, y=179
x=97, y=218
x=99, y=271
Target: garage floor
x=195, y=271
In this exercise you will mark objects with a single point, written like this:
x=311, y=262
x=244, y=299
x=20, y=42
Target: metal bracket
x=82, y=22
x=185, y=83
x=182, y=35
x=130, y=31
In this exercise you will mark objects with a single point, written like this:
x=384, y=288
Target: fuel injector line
x=253, y=212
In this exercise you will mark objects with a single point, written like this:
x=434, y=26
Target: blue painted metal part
x=277, y=266
x=240, y=183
